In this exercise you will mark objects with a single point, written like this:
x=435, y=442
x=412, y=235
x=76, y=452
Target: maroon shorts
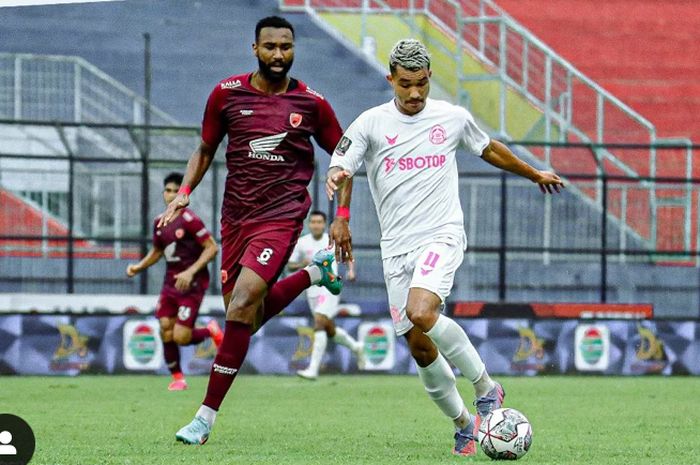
x=263, y=247
x=185, y=307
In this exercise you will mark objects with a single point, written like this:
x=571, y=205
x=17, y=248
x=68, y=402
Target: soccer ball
x=505, y=434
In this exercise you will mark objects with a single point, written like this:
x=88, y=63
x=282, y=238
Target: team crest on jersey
x=179, y=233
x=343, y=146
x=438, y=135
x=295, y=119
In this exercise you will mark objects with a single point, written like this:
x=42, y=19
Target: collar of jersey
x=293, y=85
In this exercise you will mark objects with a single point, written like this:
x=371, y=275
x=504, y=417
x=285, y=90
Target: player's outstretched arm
x=183, y=280
x=500, y=156
x=339, y=180
x=149, y=259
x=197, y=166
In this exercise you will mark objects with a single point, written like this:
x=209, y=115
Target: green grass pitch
x=383, y=420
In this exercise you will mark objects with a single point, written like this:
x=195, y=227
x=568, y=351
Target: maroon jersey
x=181, y=242
x=270, y=157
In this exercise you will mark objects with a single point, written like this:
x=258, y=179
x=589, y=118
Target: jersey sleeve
x=195, y=226
x=213, y=126
x=473, y=138
x=350, y=151
x=328, y=130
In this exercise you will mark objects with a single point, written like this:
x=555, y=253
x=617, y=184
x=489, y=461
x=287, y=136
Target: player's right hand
x=132, y=270
x=339, y=235
x=549, y=182
x=178, y=203
x=335, y=178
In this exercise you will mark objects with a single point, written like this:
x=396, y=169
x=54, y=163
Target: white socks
x=454, y=344
x=484, y=385
x=440, y=384
x=208, y=413
x=317, y=351
x=343, y=338
x=314, y=274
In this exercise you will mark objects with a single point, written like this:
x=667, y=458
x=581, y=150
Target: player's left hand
x=178, y=203
x=334, y=180
x=183, y=280
x=339, y=234
x=549, y=182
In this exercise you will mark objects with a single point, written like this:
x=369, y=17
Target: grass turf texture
x=349, y=420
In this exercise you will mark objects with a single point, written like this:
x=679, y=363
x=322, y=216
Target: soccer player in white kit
x=408, y=146
x=323, y=304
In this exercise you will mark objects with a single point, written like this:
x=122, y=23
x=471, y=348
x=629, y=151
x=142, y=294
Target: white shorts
x=430, y=267
x=323, y=302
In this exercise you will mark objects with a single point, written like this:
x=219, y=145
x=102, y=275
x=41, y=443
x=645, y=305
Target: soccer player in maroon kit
x=188, y=248
x=269, y=119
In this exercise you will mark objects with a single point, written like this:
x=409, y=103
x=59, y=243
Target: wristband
x=343, y=212
x=185, y=189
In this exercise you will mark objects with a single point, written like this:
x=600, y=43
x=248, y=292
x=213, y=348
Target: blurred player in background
x=269, y=119
x=188, y=248
x=323, y=304
x=409, y=146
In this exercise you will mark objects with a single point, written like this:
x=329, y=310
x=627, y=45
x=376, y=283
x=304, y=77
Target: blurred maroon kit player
x=269, y=119
x=182, y=242
x=187, y=247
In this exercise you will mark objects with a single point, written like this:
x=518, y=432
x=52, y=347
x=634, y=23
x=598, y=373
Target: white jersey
x=412, y=169
x=305, y=249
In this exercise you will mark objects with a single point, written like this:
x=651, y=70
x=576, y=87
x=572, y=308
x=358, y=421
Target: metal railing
x=68, y=88
x=568, y=106
x=103, y=221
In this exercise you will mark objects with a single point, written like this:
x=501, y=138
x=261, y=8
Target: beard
x=274, y=76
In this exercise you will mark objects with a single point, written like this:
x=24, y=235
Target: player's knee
x=166, y=335
x=423, y=316
x=322, y=323
x=243, y=306
x=166, y=324
x=329, y=327
x=182, y=337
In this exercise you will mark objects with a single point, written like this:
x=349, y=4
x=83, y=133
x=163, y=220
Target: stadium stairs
x=643, y=51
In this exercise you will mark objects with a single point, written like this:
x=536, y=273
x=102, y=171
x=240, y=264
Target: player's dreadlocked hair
x=409, y=54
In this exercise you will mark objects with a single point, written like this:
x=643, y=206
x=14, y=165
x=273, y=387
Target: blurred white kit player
x=323, y=305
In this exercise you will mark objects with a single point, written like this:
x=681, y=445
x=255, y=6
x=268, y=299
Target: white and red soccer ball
x=505, y=434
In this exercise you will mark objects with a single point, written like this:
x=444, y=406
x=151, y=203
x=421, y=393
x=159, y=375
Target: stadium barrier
x=46, y=339
x=73, y=215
